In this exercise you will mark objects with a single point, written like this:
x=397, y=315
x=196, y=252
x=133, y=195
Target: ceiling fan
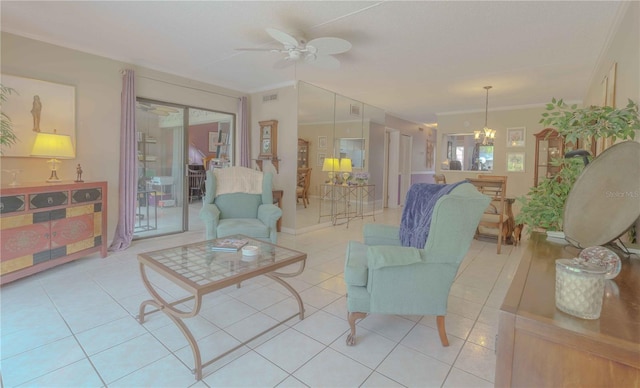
x=317, y=52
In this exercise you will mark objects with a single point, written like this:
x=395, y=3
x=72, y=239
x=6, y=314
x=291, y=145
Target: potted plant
x=543, y=206
x=7, y=136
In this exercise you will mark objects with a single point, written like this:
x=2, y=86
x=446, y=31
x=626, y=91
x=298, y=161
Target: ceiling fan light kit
x=318, y=52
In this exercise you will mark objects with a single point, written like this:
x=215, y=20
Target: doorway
x=406, y=143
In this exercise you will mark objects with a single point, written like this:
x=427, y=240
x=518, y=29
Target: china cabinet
x=303, y=153
x=549, y=146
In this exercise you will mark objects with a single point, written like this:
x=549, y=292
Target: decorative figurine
x=78, y=174
x=36, y=111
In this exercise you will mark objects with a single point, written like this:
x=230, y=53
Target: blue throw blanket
x=418, y=209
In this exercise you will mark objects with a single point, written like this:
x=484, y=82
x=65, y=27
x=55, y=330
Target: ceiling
x=414, y=59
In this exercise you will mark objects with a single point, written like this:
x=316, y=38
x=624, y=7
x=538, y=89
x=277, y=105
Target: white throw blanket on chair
x=238, y=180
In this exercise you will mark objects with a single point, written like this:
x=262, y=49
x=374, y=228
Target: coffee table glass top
x=200, y=265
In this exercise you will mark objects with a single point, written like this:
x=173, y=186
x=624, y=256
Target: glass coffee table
x=200, y=270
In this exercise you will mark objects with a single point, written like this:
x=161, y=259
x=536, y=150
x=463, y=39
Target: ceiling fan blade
x=260, y=49
x=323, y=61
x=252, y=49
x=283, y=37
x=283, y=63
x=329, y=45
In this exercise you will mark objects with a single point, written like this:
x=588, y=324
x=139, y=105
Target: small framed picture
x=322, y=142
x=515, y=161
x=321, y=159
x=516, y=137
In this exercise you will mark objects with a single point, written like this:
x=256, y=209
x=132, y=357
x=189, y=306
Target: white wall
x=285, y=110
x=623, y=49
x=98, y=85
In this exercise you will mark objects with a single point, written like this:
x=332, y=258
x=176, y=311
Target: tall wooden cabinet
x=303, y=153
x=46, y=225
x=549, y=146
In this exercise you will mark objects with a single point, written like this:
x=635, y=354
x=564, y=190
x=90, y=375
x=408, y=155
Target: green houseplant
x=7, y=136
x=543, y=206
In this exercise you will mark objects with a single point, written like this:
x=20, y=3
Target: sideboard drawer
x=44, y=200
x=12, y=204
x=86, y=195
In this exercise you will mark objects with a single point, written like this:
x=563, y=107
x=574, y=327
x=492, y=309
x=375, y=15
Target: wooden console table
x=540, y=346
x=44, y=225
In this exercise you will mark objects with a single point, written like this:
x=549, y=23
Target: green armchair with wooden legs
x=385, y=277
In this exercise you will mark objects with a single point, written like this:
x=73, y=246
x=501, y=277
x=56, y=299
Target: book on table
x=228, y=244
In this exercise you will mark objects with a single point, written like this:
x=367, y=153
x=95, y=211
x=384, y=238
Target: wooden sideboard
x=44, y=225
x=540, y=346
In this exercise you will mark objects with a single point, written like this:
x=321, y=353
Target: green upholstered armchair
x=384, y=277
x=250, y=213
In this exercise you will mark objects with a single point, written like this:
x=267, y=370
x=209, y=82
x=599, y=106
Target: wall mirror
x=352, y=148
x=337, y=126
x=463, y=153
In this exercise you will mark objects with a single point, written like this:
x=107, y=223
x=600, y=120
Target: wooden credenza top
x=44, y=186
x=559, y=348
x=620, y=317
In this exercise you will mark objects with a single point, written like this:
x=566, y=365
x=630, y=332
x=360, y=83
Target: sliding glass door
x=176, y=145
x=160, y=139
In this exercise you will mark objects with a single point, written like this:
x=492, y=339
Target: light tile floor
x=74, y=326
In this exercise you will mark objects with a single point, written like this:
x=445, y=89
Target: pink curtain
x=128, y=165
x=243, y=128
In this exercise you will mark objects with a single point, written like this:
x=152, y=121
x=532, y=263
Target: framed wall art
x=321, y=159
x=515, y=161
x=38, y=106
x=611, y=86
x=516, y=137
x=430, y=155
x=322, y=142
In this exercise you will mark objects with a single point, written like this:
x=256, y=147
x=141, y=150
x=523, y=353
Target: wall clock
x=268, y=139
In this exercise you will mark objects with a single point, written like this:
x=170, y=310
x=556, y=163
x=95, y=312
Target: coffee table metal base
x=176, y=315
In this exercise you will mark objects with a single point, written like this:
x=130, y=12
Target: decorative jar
x=579, y=288
x=604, y=257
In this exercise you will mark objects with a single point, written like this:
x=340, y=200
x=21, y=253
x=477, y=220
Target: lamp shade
x=331, y=164
x=345, y=165
x=52, y=145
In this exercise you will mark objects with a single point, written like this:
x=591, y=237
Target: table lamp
x=330, y=165
x=54, y=146
x=345, y=167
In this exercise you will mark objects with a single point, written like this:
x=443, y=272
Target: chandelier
x=486, y=135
